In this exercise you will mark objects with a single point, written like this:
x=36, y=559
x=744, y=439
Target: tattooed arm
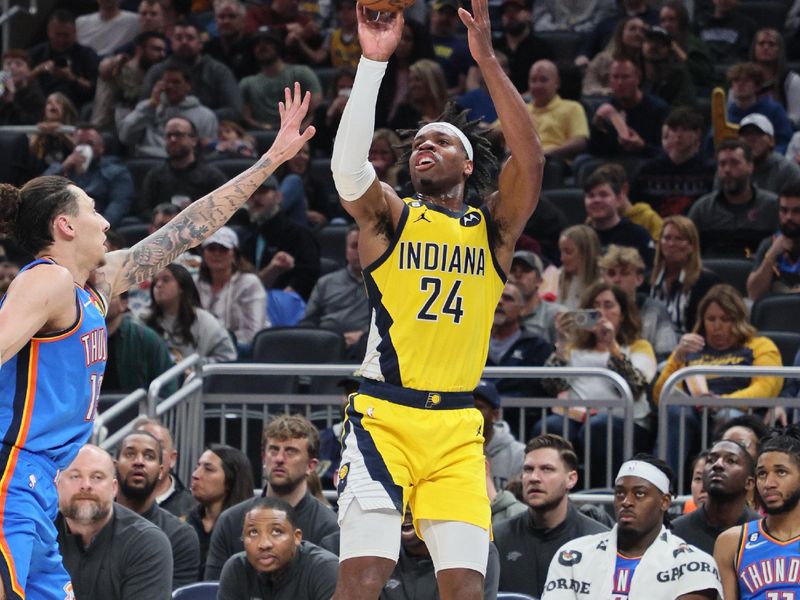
x=125, y=268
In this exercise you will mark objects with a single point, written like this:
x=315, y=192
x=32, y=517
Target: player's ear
x=468, y=168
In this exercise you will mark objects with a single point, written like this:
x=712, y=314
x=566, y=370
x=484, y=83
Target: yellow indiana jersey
x=432, y=296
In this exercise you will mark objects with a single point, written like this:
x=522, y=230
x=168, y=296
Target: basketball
x=386, y=5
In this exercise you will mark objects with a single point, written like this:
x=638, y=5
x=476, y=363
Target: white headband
x=648, y=472
x=452, y=129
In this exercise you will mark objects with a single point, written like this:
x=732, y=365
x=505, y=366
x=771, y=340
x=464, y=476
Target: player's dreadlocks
x=484, y=161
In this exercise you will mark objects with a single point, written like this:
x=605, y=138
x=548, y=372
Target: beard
x=515, y=28
x=735, y=185
x=86, y=511
x=790, y=230
x=788, y=505
x=285, y=487
x=134, y=492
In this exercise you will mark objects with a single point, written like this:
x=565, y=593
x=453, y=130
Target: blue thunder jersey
x=432, y=298
x=623, y=574
x=767, y=568
x=49, y=389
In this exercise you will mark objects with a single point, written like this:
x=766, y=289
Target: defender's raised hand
x=479, y=30
x=292, y=111
x=378, y=36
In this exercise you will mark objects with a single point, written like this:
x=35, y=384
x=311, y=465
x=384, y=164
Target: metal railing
x=671, y=396
x=241, y=405
x=8, y=12
x=100, y=435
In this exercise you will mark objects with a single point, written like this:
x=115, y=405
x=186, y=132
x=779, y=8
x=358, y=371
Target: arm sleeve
x=352, y=171
x=147, y=572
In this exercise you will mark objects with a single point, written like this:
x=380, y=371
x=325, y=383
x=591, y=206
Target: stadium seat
x=139, y=168
x=134, y=233
x=514, y=596
x=777, y=313
x=320, y=171
x=570, y=202
x=331, y=242
x=563, y=44
x=328, y=265
x=297, y=345
x=766, y=13
x=555, y=171
x=788, y=342
x=301, y=345
x=204, y=590
x=263, y=138
x=733, y=271
x=586, y=168
x=14, y=150
x=231, y=167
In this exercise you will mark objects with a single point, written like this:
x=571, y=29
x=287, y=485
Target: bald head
x=86, y=489
x=543, y=82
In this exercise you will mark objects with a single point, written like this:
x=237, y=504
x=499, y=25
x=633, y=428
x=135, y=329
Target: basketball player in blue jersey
x=53, y=340
x=434, y=271
x=760, y=560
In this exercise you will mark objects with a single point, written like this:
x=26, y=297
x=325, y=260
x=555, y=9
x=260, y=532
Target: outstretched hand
x=479, y=30
x=292, y=111
x=378, y=36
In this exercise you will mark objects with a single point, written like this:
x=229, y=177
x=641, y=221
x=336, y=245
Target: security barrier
x=671, y=396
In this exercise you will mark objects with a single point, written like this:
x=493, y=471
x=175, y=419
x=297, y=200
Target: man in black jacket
x=285, y=253
x=139, y=469
x=110, y=552
x=290, y=452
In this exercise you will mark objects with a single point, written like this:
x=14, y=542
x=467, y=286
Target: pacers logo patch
x=343, y=471
x=471, y=219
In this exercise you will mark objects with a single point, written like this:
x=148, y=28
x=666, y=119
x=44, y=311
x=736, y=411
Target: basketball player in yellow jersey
x=434, y=270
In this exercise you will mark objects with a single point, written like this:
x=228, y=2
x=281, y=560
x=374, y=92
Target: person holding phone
x=606, y=333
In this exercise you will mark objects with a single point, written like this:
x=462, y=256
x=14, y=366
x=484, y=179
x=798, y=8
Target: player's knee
x=362, y=577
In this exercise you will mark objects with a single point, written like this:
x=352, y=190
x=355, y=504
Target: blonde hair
x=692, y=269
x=621, y=256
x=588, y=244
x=432, y=74
x=730, y=301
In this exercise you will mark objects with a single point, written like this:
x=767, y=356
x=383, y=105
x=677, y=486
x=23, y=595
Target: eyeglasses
x=177, y=134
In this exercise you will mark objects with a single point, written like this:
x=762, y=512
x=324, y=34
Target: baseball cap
x=657, y=33
x=440, y=4
x=530, y=259
x=487, y=391
x=758, y=121
x=268, y=33
x=225, y=237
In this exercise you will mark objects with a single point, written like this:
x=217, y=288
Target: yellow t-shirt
x=557, y=122
x=432, y=298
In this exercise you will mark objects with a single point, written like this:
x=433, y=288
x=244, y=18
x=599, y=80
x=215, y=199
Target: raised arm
x=200, y=219
x=521, y=176
x=369, y=202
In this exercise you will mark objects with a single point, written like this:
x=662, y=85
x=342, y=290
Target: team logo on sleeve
x=569, y=557
x=681, y=549
x=471, y=219
x=343, y=471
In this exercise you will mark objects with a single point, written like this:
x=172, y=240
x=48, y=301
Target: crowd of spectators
x=149, y=106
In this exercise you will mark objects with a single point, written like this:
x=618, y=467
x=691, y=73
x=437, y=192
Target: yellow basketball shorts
x=424, y=450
